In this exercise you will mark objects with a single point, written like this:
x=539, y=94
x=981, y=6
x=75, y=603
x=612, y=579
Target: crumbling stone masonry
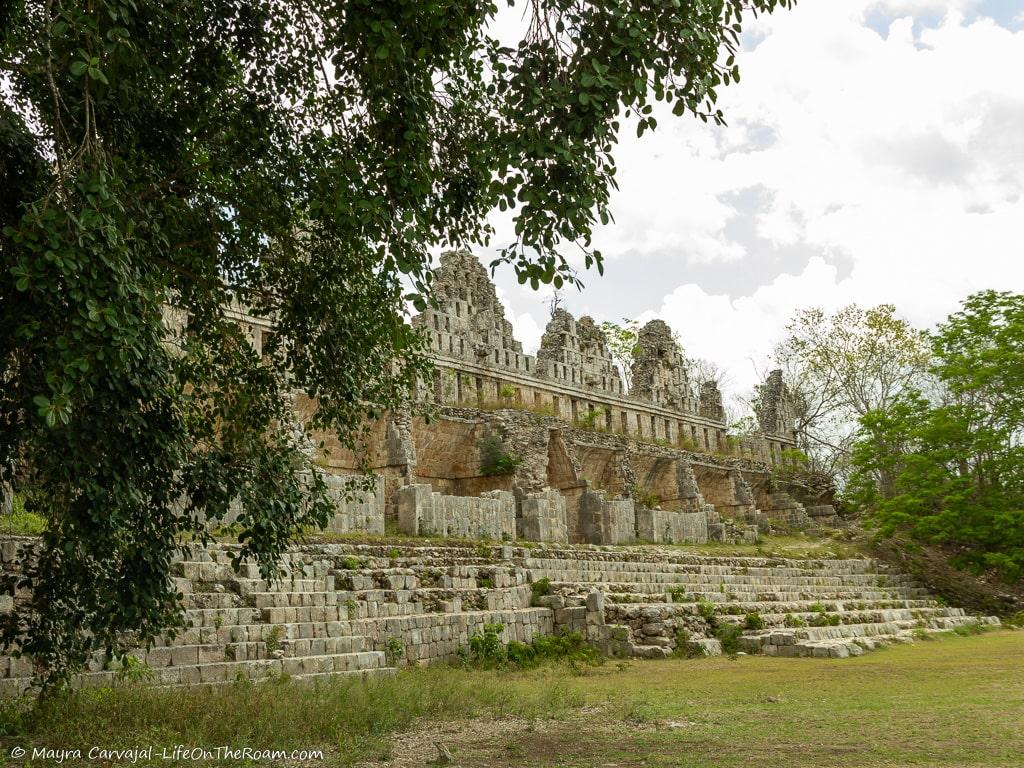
x=350, y=609
x=555, y=442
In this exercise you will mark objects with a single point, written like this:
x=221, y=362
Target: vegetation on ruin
x=300, y=159
x=22, y=521
x=953, y=701
x=487, y=651
x=494, y=458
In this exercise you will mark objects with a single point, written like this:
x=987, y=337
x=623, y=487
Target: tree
x=298, y=159
x=622, y=343
x=840, y=367
x=700, y=371
x=946, y=466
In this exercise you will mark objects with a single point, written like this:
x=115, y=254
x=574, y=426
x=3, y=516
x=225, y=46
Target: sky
x=874, y=154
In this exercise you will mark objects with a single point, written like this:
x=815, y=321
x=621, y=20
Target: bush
x=753, y=621
x=394, y=651
x=678, y=594
x=645, y=499
x=538, y=589
x=685, y=647
x=706, y=610
x=486, y=650
x=22, y=521
x=494, y=459
x=728, y=635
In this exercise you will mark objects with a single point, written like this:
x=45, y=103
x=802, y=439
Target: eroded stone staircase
x=785, y=607
x=346, y=609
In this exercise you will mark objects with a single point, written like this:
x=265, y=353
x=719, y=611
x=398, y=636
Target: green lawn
x=956, y=701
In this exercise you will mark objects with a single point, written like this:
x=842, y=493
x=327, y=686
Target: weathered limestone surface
x=543, y=518
x=577, y=353
x=659, y=369
x=421, y=512
x=356, y=509
x=349, y=609
x=607, y=521
x=505, y=425
x=774, y=406
x=660, y=526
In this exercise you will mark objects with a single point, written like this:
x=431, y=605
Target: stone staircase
x=347, y=609
x=784, y=607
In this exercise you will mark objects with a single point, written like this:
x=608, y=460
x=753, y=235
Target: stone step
x=775, y=593
x=227, y=671
x=803, y=635
x=764, y=605
x=787, y=569
x=218, y=617
x=684, y=577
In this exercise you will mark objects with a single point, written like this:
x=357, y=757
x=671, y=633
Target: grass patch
x=21, y=523
x=953, y=702
x=349, y=720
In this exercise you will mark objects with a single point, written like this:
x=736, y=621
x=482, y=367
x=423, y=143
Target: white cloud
x=524, y=325
x=902, y=154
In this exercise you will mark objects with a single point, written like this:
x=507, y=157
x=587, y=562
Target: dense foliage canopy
x=945, y=463
x=297, y=158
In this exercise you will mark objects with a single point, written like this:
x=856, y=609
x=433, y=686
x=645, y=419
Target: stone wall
x=573, y=377
x=542, y=517
x=660, y=526
x=422, y=512
x=356, y=509
x=606, y=521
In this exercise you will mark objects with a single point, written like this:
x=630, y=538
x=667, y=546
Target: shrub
x=589, y=420
x=134, y=671
x=753, y=621
x=706, y=609
x=678, y=594
x=486, y=650
x=644, y=498
x=273, y=639
x=485, y=646
x=685, y=647
x=538, y=589
x=22, y=521
x=728, y=635
x=394, y=651
x=494, y=459
x=351, y=563
x=792, y=620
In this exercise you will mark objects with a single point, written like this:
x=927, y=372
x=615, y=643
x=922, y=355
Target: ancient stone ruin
x=552, y=448
x=544, y=461
x=361, y=609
